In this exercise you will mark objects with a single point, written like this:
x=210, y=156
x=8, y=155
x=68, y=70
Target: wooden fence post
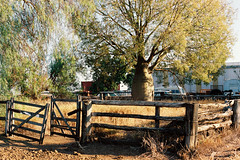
x=191, y=125
x=44, y=124
x=7, y=118
x=79, y=104
x=51, y=116
x=86, y=121
x=11, y=114
x=102, y=97
x=236, y=114
x=157, y=114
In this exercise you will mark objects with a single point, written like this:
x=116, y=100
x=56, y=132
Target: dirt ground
x=57, y=147
x=223, y=147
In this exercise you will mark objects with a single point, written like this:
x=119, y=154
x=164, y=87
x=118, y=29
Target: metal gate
x=21, y=119
x=62, y=123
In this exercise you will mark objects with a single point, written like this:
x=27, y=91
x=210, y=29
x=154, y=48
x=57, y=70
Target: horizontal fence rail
x=190, y=132
x=220, y=116
x=64, y=123
x=138, y=103
x=78, y=124
x=13, y=123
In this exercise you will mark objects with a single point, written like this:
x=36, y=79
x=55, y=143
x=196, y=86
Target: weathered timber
x=11, y=115
x=52, y=121
x=25, y=136
x=28, y=129
x=128, y=128
x=7, y=118
x=75, y=133
x=29, y=104
x=65, y=100
x=211, y=121
x=137, y=116
x=215, y=115
x=86, y=121
x=79, y=105
x=74, y=111
x=12, y=129
x=44, y=124
x=63, y=127
x=210, y=111
x=90, y=97
x=52, y=115
x=61, y=119
x=139, y=103
x=214, y=105
x=26, y=120
x=3, y=102
x=27, y=113
x=236, y=114
x=191, y=126
x=157, y=114
x=29, y=122
x=214, y=126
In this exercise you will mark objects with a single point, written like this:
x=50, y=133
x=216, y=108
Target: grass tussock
x=219, y=144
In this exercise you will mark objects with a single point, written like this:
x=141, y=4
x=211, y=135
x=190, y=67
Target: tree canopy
x=26, y=32
x=190, y=36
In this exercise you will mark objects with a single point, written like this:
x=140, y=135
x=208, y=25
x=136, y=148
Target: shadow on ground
x=69, y=146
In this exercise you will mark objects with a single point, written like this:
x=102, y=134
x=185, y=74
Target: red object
x=86, y=86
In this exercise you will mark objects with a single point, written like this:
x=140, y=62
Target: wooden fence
x=61, y=122
x=190, y=119
x=198, y=118
x=220, y=115
x=194, y=121
x=12, y=127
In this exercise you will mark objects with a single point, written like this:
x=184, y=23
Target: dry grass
x=154, y=146
x=66, y=107
x=140, y=110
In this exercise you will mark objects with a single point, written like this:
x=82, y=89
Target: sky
x=236, y=29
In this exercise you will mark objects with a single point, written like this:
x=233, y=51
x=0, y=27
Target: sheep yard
x=222, y=145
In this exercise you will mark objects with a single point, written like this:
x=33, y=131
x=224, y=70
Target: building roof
x=233, y=65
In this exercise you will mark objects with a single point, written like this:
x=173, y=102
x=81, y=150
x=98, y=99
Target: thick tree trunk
x=142, y=86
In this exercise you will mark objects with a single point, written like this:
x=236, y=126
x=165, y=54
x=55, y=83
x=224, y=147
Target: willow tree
x=191, y=36
x=26, y=30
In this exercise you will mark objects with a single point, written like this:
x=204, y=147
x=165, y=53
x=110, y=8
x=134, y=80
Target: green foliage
x=26, y=29
x=63, y=71
x=189, y=37
x=108, y=72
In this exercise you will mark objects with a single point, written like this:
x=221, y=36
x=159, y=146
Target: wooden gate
x=62, y=123
x=21, y=119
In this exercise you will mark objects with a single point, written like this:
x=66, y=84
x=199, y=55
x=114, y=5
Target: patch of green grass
x=2, y=114
x=2, y=110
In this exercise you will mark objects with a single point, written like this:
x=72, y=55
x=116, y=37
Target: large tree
x=27, y=28
x=191, y=36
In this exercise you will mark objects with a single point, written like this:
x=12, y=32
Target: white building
x=229, y=80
